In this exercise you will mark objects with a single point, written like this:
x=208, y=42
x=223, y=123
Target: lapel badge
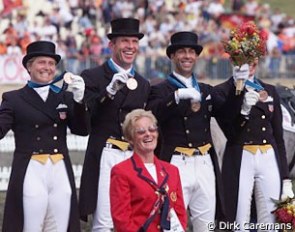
x=62, y=110
x=173, y=196
x=270, y=107
x=209, y=108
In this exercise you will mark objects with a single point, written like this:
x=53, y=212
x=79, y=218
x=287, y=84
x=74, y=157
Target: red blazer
x=132, y=198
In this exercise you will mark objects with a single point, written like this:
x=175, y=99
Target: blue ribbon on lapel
x=255, y=84
x=177, y=83
x=52, y=84
x=113, y=68
x=164, y=222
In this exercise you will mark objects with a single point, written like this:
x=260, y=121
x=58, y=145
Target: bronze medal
x=131, y=83
x=263, y=95
x=68, y=77
x=195, y=106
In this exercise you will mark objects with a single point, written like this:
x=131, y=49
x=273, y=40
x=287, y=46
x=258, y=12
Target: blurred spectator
x=13, y=48
x=57, y=19
x=237, y=5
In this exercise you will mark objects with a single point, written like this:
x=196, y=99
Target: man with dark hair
x=183, y=108
x=112, y=91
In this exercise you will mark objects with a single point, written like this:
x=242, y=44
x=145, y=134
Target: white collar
x=185, y=80
x=119, y=68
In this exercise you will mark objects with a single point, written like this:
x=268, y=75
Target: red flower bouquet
x=246, y=44
x=285, y=213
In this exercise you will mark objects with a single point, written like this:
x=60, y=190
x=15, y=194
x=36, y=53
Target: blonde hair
x=131, y=118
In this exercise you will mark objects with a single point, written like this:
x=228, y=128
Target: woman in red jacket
x=145, y=192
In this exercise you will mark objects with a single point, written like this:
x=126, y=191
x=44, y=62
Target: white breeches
x=102, y=219
x=46, y=197
x=199, y=190
x=259, y=173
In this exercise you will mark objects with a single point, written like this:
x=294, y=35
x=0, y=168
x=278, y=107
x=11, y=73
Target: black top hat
x=40, y=48
x=184, y=39
x=125, y=27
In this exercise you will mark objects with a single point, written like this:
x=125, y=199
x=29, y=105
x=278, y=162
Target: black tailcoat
x=181, y=127
x=264, y=126
x=38, y=128
x=107, y=116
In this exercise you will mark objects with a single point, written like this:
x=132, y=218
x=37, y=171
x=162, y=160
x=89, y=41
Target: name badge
x=175, y=225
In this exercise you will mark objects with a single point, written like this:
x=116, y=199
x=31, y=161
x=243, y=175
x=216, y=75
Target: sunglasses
x=142, y=131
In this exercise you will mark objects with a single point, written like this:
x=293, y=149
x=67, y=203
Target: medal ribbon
x=114, y=69
x=52, y=84
x=177, y=83
x=161, y=203
x=255, y=84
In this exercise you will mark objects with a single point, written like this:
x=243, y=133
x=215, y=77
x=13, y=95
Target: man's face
x=124, y=50
x=184, y=60
x=42, y=69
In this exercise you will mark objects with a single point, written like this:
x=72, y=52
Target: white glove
x=76, y=85
x=241, y=73
x=117, y=82
x=287, y=190
x=250, y=99
x=188, y=93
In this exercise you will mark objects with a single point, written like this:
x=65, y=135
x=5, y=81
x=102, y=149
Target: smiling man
x=183, y=108
x=112, y=90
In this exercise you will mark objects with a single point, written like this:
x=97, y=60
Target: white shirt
x=187, y=81
x=119, y=68
x=43, y=92
x=152, y=170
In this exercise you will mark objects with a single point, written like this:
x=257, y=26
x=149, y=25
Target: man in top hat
x=183, y=108
x=112, y=90
x=41, y=194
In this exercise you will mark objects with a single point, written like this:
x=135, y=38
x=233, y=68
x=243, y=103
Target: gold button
x=54, y=137
x=187, y=131
x=55, y=125
x=190, y=144
x=122, y=138
x=263, y=116
x=185, y=118
x=263, y=129
x=38, y=138
x=36, y=126
x=264, y=141
x=55, y=150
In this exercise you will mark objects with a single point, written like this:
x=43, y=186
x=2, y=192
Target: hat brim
x=26, y=58
x=172, y=48
x=113, y=35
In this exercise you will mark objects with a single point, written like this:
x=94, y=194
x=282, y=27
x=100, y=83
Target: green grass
x=286, y=6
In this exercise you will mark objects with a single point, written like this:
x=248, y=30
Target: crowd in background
x=79, y=28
